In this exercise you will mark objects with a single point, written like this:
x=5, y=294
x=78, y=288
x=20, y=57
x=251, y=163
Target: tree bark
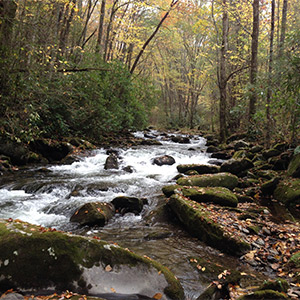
x=283, y=27
x=100, y=29
x=254, y=62
x=222, y=75
x=269, y=92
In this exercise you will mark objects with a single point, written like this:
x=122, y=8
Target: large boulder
x=164, y=160
x=93, y=213
x=180, y=139
x=236, y=166
x=35, y=259
x=294, y=166
x=51, y=149
x=288, y=191
x=17, y=152
x=201, y=169
x=217, y=195
x=226, y=180
x=111, y=162
x=125, y=204
x=198, y=222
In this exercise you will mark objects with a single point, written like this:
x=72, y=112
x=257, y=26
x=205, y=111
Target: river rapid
x=50, y=198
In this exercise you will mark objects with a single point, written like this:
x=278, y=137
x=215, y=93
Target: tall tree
x=100, y=28
x=283, y=27
x=269, y=91
x=254, y=61
x=222, y=73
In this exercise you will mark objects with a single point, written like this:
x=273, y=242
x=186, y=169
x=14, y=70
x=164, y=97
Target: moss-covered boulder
x=236, y=166
x=294, y=166
x=196, y=219
x=279, y=285
x=93, y=213
x=288, y=191
x=125, y=204
x=35, y=259
x=264, y=295
x=217, y=195
x=268, y=188
x=169, y=190
x=210, y=180
x=270, y=153
x=201, y=169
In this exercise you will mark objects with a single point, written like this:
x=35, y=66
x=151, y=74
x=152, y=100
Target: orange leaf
x=157, y=296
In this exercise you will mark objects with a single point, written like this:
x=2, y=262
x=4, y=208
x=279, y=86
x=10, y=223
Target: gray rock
x=164, y=160
x=111, y=162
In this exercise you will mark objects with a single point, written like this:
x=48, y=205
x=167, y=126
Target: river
x=50, y=198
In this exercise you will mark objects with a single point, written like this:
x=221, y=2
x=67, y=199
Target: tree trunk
x=222, y=75
x=254, y=63
x=100, y=28
x=283, y=27
x=269, y=92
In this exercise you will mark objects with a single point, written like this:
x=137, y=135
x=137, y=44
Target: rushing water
x=48, y=199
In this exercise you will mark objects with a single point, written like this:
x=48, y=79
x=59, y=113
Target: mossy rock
x=217, y=195
x=34, y=259
x=279, y=285
x=264, y=295
x=288, y=191
x=226, y=180
x=269, y=187
x=201, y=169
x=240, y=154
x=295, y=260
x=196, y=219
x=169, y=190
x=125, y=204
x=270, y=153
x=236, y=166
x=294, y=166
x=256, y=149
x=93, y=213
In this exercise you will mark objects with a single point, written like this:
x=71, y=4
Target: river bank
x=50, y=196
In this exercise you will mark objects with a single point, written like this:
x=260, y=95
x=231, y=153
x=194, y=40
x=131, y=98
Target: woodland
x=90, y=68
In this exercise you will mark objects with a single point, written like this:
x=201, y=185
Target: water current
x=48, y=199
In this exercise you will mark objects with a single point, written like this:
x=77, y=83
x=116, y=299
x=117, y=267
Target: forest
x=88, y=68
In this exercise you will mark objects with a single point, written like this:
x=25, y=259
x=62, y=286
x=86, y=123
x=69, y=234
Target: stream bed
x=49, y=198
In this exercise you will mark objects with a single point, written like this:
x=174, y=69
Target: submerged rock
x=94, y=213
x=211, y=180
x=164, y=160
x=196, y=219
x=35, y=259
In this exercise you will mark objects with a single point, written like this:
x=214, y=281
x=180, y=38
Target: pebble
x=266, y=231
x=260, y=242
x=12, y=296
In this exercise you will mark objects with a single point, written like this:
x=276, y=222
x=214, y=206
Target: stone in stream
x=94, y=213
x=164, y=160
x=38, y=260
x=210, y=180
x=200, y=168
x=111, y=162
x=125, y=204
x=180, y=139
x=197, y=221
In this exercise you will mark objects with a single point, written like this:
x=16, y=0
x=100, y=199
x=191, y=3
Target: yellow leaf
x=108, y=268
x=113, y=290
x=157, y=296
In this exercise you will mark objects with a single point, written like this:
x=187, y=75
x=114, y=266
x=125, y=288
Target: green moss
x=218, y=195
x=294, y=166
x=288, y=191
x=210, y=180
x=264, y=295
x=169, y=190
x=295, y=260
x=279, y=285
x=201, y=169
x=35, y=258
x=197, y=221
